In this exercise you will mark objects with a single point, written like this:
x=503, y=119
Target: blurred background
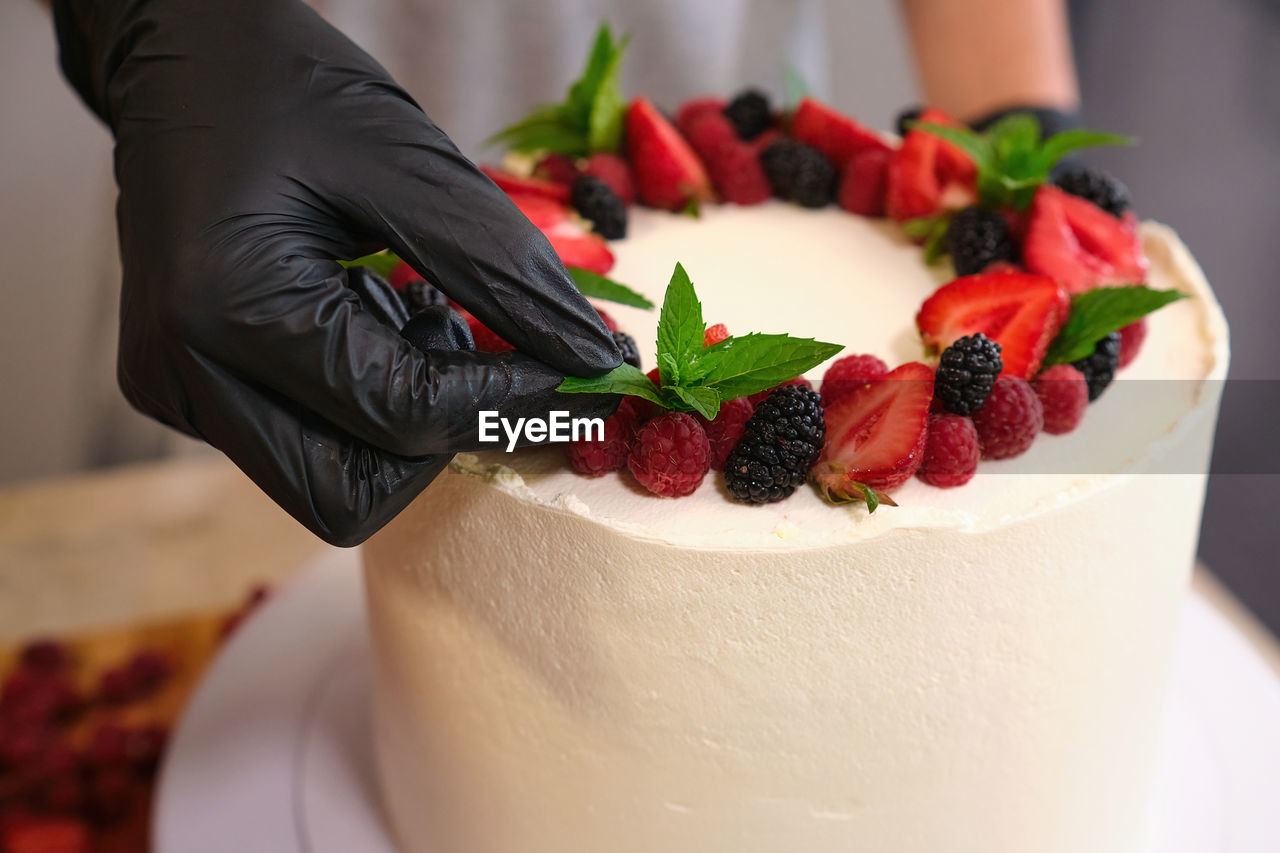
x=1195, y=81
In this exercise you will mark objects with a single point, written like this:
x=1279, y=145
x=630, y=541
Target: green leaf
x=920, y=229
x=978, y=147
x=738, y=366
x=1099, y=312
x=608, y=107
x=1061, y=144
x=380, y=262
x=582, y=93
x=794, y=88
x=623, y=379
x=1019, y=132
x=680, y=324
x=596, y=286
x=669, y=372
x=935, y=246
x=703, y=400
x=548, y=128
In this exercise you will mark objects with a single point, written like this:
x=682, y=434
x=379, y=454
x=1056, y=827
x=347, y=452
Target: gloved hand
x=254, y=145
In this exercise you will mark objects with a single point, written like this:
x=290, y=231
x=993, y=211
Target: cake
x=565, y=663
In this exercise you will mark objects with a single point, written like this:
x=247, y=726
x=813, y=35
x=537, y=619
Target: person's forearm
x=974, y=57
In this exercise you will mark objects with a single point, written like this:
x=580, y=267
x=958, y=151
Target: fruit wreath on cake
x=1047, y=302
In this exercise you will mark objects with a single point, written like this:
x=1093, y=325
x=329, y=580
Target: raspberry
x=600, y=456
x=734, y=165
x=749, y=113
x=950, y=451
x=760, y=396
x=779, y=445
x=966, y=372
x=141, y=676
x=112, y=792
x=557, y=168
x=1099, y=367
x=715, y=334
x=977, y=238
x=1064, y=395
x=593, y=199
x=45, y=656
x=627, y=346
x=799, y=173
x=615, y=172
x=1131, y=338
x=846, y=374
x=1098, y=187
x=723, y=432
x=670, y=455
x=1009, y=420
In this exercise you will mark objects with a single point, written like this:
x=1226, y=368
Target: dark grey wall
x=1198, y=81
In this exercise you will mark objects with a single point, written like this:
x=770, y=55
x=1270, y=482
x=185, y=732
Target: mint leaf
x=794, y=88
x=668, y=369
x=977, y=146
x=680, y=325
x=596, y=286
x=623, y=379
x=380, y=262
x=935, y=246
x=703, y=400
x=739, y=366
x=1099, y=312
x=608, y=106
x=1061, y=144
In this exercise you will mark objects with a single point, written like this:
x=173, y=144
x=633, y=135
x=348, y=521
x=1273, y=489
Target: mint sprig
x=589, y=120
x=1012, y=159
x=697, y=378
x=1099, y=312
x=595, y=286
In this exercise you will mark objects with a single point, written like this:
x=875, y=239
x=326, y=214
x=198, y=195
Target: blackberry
x=1099, y=367
x=966, y=373
x=799, y=173
x=1096, y=186
x=417, y=296
x=977, y=238
x=593, y=199
x=909, y=114
x=749, y=113
x=627, y=346
x=779, y=445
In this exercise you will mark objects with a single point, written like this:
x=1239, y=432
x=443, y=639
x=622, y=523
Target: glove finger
x=378, y=297
x=306, y=336
x=453, y=225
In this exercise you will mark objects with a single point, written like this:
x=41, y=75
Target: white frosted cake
x=572, y=665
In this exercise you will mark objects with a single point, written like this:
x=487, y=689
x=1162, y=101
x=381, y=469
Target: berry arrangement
x=1046, y=305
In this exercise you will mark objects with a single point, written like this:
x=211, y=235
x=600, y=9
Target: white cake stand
x=273, y=755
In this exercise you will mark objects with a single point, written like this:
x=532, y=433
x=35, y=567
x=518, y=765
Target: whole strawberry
x=1009, y=420
x=670, y=455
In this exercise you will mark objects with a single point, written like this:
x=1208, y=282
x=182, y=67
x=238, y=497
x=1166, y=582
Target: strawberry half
x=512, y=184
x=1080, y=245
x=667, y=173
x=928, y=174
x=577, y=249
x=836, y=135
x=540, y=210
x=1020, y=311
x=876, y=434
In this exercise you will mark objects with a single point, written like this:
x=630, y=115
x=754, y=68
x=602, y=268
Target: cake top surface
x=858, y=282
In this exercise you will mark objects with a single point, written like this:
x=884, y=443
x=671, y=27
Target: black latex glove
x=255, y=144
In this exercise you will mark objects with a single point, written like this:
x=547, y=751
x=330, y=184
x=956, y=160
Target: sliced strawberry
x=695, y=108
x=667, y=173
x=1080, y=245
x=556, y=168
x=865, y=182
x=876, y=433
x=732, y=162
x=615, y=172
x=588, y=251
x=541, y=211
x=928, y=175
x=510, y=184
x=1019, y=311
x=836, y=135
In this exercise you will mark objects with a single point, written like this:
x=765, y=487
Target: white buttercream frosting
x=571, y=664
